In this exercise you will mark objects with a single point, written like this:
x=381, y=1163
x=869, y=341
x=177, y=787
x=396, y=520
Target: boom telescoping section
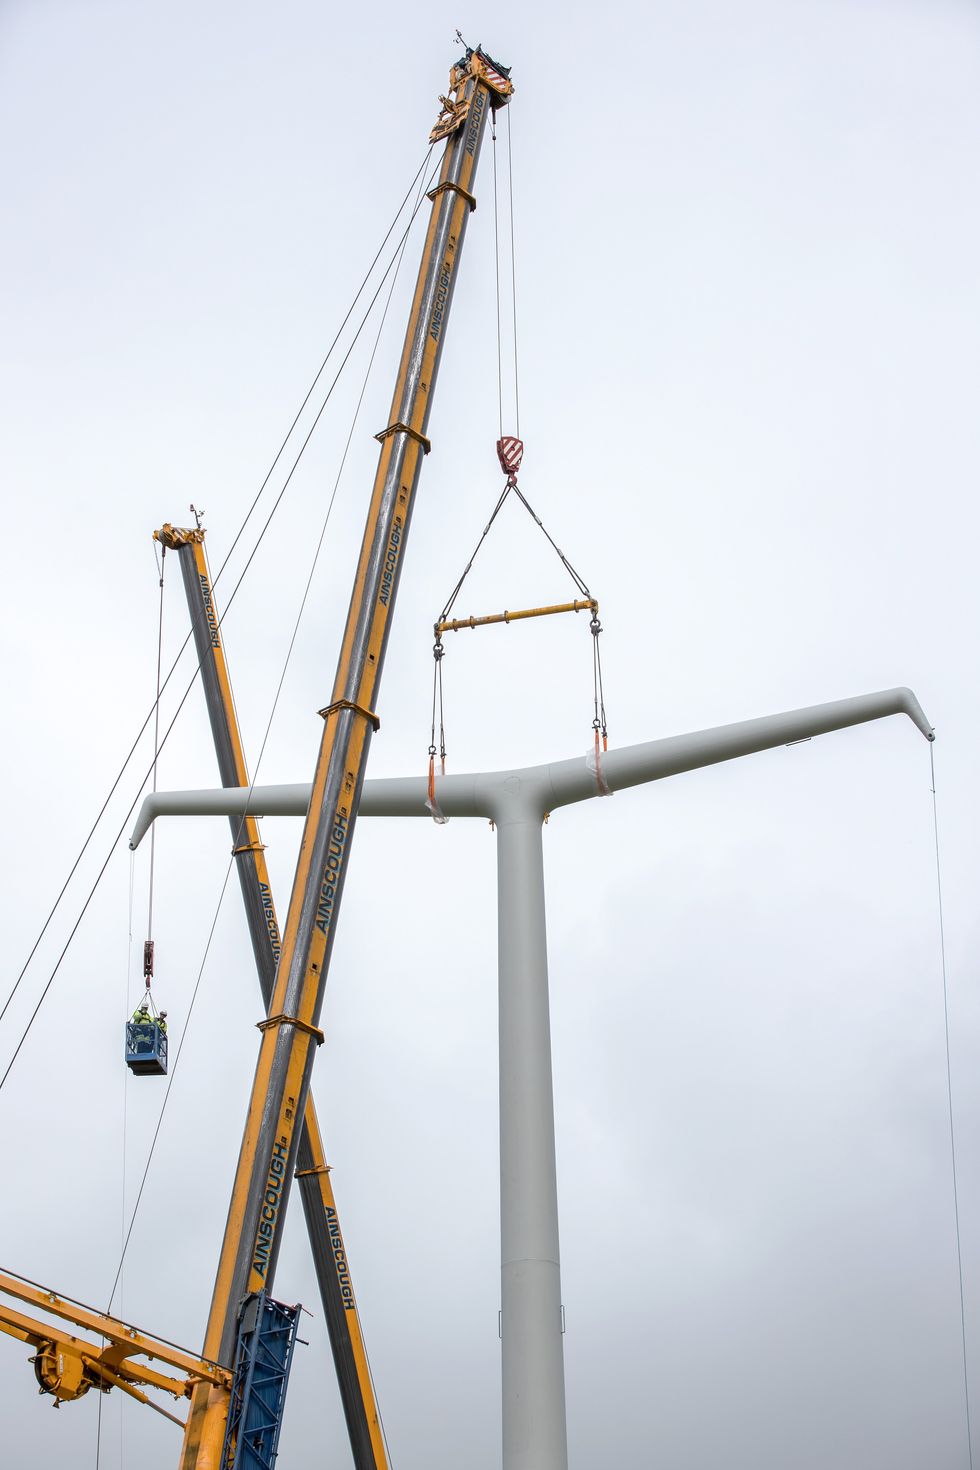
x=269, y=1147
x=312, y=1172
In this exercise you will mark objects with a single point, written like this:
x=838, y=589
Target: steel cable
x=154, y=707
x=949, y=1096
x=258, y=763
x=190, y=685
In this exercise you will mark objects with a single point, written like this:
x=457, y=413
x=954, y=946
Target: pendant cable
x=949, y=1097
x=118, y=835
x=272, y=713
x=279, y=453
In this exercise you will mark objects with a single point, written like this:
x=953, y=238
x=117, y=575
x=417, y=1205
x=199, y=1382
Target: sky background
x=748, y=319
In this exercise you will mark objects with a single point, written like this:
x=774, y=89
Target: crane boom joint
x=283, y=1020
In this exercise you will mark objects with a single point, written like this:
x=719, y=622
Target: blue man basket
x=146, y=1048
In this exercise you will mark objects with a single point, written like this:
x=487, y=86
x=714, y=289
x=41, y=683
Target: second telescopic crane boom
x=313, y=1172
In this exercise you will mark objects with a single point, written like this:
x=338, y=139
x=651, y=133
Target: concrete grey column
x=533, y=1370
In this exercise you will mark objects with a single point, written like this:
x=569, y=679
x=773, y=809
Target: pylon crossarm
x=545, y=788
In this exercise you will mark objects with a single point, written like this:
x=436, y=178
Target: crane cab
x=146, y=1047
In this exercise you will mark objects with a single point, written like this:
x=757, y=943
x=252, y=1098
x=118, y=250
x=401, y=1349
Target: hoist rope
x=262, y=748
x=98, y=1425
x=513, y=275
x=149, y=716
x=171, y=1074
x=949, y=1098
x=190, y=685
x=156, y=745
x=513, y=271
x=510, y=466
x=496, y=274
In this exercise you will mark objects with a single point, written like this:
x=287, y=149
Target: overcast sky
x=749, y=315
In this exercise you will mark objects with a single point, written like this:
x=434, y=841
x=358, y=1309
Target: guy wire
x=258, y=763
x=183, y=699
x=949, y=1096
x=139, y=734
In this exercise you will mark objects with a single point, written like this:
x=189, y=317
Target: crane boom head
x=474, y=62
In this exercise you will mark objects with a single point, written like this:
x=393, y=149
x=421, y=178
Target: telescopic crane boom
x=279, y=1092
x=313, y=1172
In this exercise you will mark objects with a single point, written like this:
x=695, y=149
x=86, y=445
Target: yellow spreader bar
x=454, y=625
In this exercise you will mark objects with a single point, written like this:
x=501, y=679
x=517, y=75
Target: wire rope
x=156, y=746
x=142, y=730
x=258, y=763
x=193, y=678
x=170, y=1080
x=98, y=1428
x=496, y=273
x=949, y=1098
x=513, y=270
x=579, y=581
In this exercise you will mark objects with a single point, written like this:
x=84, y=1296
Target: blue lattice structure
x=266, y=1336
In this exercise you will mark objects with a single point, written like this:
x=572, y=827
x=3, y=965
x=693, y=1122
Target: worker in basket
x=142, y=1017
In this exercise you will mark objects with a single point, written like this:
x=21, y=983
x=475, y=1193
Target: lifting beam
x=455, y=624
x=269, y=1147
x=313, y=1172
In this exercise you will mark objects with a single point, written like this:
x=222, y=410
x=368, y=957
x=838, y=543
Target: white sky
x=748, y=315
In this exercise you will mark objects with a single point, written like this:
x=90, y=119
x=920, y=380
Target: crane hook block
x=510, y=452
